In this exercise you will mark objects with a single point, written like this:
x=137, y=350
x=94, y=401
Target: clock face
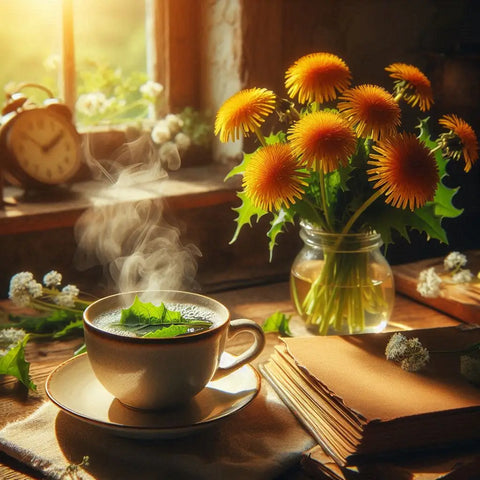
x=45, y=146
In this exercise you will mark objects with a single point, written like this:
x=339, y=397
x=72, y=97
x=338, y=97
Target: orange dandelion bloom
x=411, y=85
x=317, y=78
x=460, y=140
x=323, y=140
x=372, y=110
x=244, y=112
x=404, y=170
x=273, y=177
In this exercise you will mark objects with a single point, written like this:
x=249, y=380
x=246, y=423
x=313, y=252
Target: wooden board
x=462, y=301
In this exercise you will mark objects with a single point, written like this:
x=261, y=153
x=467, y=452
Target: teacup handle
x=240, y=326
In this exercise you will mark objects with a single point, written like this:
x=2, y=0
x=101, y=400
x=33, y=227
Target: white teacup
x=153, y=373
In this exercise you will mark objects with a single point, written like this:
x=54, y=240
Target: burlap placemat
x=259, y=442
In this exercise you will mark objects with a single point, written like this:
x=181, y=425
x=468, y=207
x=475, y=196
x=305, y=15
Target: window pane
x=110, y=60
x=30, y=42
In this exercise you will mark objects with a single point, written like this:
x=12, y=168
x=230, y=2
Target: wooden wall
x=441, y=37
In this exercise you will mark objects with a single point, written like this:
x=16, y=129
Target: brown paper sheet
x=359, y=406
x=354, y=368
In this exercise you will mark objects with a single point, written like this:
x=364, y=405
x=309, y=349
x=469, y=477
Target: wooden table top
x=256, y=303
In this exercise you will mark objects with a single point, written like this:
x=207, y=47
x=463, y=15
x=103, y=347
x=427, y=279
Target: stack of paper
x=362, y=408
x=454, y=464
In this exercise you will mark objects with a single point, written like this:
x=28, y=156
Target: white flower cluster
x=167, y=135
x=24, y=289
x=151, y=89
x=169, y=129
x=67, y=297
x=52, y=279
x=94, y=103
x=454, y=261
x=429, y=282
x=9, y=338
x=409, y=352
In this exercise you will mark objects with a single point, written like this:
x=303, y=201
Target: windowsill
x=39, y=234
x=191, y=187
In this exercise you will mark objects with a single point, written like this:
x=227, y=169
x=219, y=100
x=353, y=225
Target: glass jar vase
x=341, y=284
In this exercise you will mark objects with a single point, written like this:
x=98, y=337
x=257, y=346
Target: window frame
x=172, y=46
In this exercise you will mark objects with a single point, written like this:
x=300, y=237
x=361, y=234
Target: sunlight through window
x=109, y=51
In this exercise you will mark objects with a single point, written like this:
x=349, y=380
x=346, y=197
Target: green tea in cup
x=144, y=366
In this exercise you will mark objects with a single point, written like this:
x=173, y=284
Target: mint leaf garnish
x=278, y=322
x=140, y=313
x=14, y=363
x=151, y=321
x=171, y=331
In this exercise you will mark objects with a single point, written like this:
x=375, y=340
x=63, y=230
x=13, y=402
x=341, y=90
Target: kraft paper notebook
x=360, y=407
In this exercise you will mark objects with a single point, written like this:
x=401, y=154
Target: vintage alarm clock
x=39, y=144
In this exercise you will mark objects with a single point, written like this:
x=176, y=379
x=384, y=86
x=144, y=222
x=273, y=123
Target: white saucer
x=73, y=387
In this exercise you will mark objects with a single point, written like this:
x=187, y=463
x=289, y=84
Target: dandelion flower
x=317, y=78
x=273, y=177
x=404, y=170
x=324, y=140
x=412, y=85
x=461, y=140
x=244, y=112
x=372, y=110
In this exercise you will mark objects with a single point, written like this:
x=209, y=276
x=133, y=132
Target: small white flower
x=151, y=89
x=9, y=338
x=161, y=133
x=182, y=141
x=91, y=104
x=462, y=276
x=67, y=297
x=52, y=279
x=454, y=261
x=11, y=335
x=409, y=352
x=428, y=284
x=71, y=290
x=396, y=347
x=416, y=356
x=35, y=289
x=24, y=288
x=174, y=122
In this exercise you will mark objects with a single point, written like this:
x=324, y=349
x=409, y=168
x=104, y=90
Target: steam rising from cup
x=125, y=230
